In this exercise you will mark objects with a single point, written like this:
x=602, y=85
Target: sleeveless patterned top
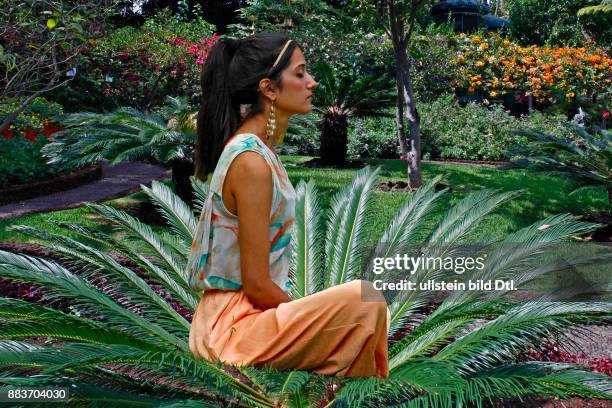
x=214, y=260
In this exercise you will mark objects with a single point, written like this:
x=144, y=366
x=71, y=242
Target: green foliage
x=139, y=67
x=130, y=330
x=41, y=40
x=32, y=116
x=125, y=134
x=474, y=132
x=374, y=137
x=584, y=158
x=556, y=22
x=597, y=19
x=21, y=161
x=324, y=33
x=432, y=74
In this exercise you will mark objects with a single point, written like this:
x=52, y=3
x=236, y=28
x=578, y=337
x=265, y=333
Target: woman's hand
x=249, y=184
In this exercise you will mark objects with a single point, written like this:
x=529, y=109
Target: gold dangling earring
x=271, y=124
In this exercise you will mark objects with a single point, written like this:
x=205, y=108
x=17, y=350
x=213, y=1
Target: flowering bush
x=39, y=117
x=20, y=145
x=140, y=67
x=496, y=65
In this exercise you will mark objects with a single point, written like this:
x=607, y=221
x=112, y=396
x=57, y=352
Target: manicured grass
x=541, y=196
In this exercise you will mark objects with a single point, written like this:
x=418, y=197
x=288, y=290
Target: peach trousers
x=339, y=331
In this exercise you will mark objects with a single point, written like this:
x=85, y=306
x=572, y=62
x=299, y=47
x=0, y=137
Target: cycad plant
x=126, y=342
x=340, y=98
x=129, y=134
x=584, y=158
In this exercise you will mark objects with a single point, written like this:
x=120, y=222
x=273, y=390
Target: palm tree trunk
x=182, y=170
x=334, y=138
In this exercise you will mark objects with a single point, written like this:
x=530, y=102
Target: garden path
x=116, y=181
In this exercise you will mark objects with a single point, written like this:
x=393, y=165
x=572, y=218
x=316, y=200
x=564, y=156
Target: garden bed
x=61, y=182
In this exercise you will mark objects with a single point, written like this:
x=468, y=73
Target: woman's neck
x=256, y=125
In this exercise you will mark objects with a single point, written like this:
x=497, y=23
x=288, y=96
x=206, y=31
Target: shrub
x=21, y=160
x=475, y=132
x=374, y=137
x=140, y=67
x=556, y=21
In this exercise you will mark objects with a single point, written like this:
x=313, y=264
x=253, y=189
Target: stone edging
x=62, y=182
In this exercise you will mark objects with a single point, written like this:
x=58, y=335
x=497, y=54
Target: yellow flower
x=570, y=95
x=480, y=63
x=493, y=93
x=506, y=42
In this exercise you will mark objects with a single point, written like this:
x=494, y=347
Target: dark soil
x=402, y=186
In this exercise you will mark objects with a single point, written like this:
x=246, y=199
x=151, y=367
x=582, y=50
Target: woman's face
x=298, y=85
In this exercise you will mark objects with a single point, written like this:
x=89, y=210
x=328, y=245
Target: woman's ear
x=267, y=88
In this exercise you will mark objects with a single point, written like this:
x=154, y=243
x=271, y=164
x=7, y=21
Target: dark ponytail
x=230, y=78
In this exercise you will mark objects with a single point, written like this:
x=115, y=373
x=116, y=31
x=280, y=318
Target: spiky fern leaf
x=306, y=262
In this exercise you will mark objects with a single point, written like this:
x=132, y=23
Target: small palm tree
x=585, y=159
x=126, y=344
x=128, y=134
x=340, y=98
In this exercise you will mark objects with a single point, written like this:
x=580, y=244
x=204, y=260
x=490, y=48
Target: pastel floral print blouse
x=214, y=260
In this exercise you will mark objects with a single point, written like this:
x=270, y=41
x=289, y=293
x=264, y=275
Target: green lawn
x=541, y=196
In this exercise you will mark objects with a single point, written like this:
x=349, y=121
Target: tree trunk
x=414, y=154
x=399, y=118
x=401, y=38
x=334, y=138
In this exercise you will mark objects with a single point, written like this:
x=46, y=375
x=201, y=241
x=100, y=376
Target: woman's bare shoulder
x=249, y=167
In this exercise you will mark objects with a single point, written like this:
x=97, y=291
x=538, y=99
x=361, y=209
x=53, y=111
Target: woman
x=240, y=255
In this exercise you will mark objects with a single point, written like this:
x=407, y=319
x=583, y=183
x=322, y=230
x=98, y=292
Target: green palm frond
x=520, y=327
x=306, y=269
x=200, y=189
x=365, y=96
x=125, y=134
x=132, y=285
x=21, y=319
x=131, y=225
x=175, y=211
x=439, y=328
x=123, y=247
x=536, y=377
x=347, y=227
x=63, y=283
x=586, y=158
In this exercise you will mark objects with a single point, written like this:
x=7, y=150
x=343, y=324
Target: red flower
x=7, y=133
x=30, y=134
x=606, y=114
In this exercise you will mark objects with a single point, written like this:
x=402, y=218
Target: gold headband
x=280, y=55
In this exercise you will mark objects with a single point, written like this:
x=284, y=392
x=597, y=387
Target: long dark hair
x=230, y=78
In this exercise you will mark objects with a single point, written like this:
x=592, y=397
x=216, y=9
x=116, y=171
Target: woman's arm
x=249, y=181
